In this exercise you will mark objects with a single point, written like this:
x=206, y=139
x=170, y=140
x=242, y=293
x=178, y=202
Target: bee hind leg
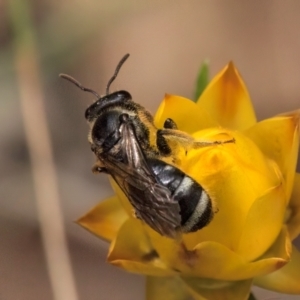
x=162, y=144
x=189, y=142
x=201, y=144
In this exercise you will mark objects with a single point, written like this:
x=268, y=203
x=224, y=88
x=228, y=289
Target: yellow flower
x=255, y=192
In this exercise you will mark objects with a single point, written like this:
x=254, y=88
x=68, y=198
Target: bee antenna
x=78, y=84
x=116, y=72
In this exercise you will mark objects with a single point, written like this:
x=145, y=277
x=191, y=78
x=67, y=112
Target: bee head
x=109, y=99
x=97, y=107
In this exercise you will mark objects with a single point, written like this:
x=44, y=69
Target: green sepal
x=202, y=80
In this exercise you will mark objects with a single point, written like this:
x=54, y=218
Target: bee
x=142, y=160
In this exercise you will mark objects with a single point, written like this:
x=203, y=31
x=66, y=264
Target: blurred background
x=167, y=41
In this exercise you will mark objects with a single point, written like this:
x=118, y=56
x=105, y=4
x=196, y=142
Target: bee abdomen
x=195, y=205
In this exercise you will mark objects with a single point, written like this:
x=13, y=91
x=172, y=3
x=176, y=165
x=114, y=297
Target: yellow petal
x=293, y=222
x=227, y=100
x=209, y=289
x=105, y=219
x=286, y=280
x=278, y=138
x=188, y=116
x=234, y=176
x=132, y=251
x=165, y=288
x=263, y=223
x=205, y=259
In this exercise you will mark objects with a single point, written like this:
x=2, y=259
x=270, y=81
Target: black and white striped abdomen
x=195, y=205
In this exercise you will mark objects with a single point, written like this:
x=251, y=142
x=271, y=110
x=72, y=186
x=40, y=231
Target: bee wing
x=151, y=200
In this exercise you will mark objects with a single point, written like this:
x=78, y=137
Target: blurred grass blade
x=202, y=80
x=45, y=181
x=251, y=297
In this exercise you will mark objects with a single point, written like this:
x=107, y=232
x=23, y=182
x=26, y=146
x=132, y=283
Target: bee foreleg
x=98, y=168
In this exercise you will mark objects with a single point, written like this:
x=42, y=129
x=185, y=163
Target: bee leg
x=97, y=169
x=162, y=144
x=170, y=124
x=177, y=136
x=200, y=144
x=187, y=141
